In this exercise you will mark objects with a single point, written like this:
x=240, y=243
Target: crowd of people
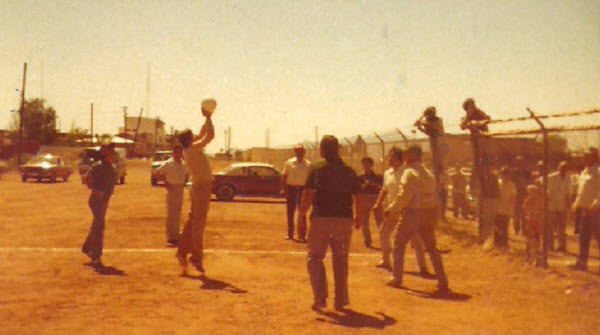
x=406, y=202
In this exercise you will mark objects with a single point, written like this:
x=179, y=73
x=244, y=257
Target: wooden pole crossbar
x=525, y=118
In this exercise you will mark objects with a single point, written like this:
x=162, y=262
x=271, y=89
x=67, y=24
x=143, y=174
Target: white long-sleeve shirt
x=588, y=187
x=417, y=189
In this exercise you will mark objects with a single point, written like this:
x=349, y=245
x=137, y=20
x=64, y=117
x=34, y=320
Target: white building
x=149, y=128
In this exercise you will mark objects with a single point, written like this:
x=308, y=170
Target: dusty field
x=257, y=283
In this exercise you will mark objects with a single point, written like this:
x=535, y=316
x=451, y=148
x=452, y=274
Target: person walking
x=174, y=172
x=370, y=186
x=507, y=193
x=330, y=189
x=389, y=191
x=489, y=205
x=295, y=172
x=459, y=192
x=587, y=201
x=192, y=238
x=418, y=201
x=559, y=201
x=100, y=179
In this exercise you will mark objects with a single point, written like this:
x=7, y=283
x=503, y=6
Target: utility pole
x=124, y=121
x=156, y=133
x=316, y=142
x=148, y=91
x=21, y=110
x=92, y=124
x=137, y=128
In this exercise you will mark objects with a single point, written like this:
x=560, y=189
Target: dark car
x=89, y=156
x=247, y=179
x=48, y=167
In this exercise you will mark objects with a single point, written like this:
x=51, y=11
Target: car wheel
x=65, y=178
x=53, y=178
x=225, y=193
x=24, y=179
x=153, y=181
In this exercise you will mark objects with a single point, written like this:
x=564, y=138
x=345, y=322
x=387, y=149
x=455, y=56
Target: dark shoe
x=441, y=292
x=339, y=307
x=97, y=263
x=199, y=268
x=579, y=267
x=426, y=274
x=183, y=263
x=302, y=240
x=173, y=242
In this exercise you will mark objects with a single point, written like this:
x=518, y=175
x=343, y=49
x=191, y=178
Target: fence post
x=351, y=150
x=382, y=151
x=545, y=231
x=406, y=142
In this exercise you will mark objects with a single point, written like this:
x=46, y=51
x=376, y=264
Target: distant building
x=150, y=129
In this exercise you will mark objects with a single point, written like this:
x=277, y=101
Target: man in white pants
x=391, y=185
x=174, y=172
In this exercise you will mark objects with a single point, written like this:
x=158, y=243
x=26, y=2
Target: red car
x=247, y=179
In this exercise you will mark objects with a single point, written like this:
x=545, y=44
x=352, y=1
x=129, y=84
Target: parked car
x=48, y=167
x=92, y=155
x=247, y=179
x=158, y=158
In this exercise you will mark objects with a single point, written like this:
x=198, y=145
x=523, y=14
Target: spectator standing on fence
x=295, y=172
x=587, y=201
x=533, y=215
x=192, y=238
x=174, y=172
x=507, y=193
x=389, y=191
x=521, y=178
x=100, y=179
x=459, y=193
x=330, y=189
x=418, y=202
x=433, y=126
x=559, y=187
x=370, y=186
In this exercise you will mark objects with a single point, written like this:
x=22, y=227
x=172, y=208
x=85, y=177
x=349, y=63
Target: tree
x=39, y=122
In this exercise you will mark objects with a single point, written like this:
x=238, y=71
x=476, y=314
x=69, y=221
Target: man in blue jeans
x=101, y=181
x=295, y=172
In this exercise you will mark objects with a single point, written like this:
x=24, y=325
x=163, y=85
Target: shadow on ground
x=353, y=319
x=214, y=284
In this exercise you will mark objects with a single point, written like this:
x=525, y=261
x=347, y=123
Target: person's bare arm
x=283, y=183
x=207, y=134
x=358, y=207
x=380, y=197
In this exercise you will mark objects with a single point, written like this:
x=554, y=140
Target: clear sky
x=348, y=67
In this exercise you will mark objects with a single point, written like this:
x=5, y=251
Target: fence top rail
x=540, y=131
x=525, y=118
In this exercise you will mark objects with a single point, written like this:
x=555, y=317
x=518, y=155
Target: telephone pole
x=92, y=124
x=21, y=110
x=124, y=120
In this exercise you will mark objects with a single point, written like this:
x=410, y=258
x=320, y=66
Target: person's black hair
x=397, y=152
x=186, y=138
x=415, y=150
x=367, y=160
x=330, y=148
x=177, y=146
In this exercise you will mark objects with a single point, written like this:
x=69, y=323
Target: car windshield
x=43, y=159
x=161, y=156
x=91, y=156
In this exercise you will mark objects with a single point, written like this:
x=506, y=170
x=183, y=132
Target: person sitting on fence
x=533, y=212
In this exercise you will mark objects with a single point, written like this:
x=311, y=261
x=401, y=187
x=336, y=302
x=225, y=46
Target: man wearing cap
x=175, y=173
x=330, y=189
x=370, y=185
x=100, y=179
x=192, y=238
x=559, y=187
x=295, y=172
x=418, y=202
x=588, y=200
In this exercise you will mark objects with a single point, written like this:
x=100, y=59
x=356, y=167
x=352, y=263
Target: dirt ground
x=256, y=282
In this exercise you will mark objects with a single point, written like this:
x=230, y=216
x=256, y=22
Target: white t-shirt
x=296, y=172
x=174, y=172
x=391, y=184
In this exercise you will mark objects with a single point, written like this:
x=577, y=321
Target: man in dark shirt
x=330, y=189
x=101, y=181
x=370, y=186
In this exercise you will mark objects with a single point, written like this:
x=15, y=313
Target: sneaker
x=199, y=268
x=173, y=242
x=317, y=307
x=384, y=265
x=442, y=292
x=183, y=263
x=97, y=263
x=288, y=238
x=394, y=283
x=339, y=307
